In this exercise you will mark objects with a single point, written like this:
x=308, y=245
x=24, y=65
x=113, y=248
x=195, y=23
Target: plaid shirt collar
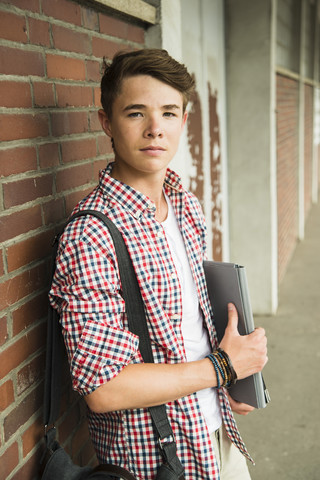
x=130, y=199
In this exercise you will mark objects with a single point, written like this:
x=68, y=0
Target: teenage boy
x=144, y=97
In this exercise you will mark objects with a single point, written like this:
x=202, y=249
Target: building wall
x=205, y=152
x=251, y=156
x=287, y=168
x=51, y=150
x=297, y=77
x=272, y=72
x=202, y=157
x=308, y=146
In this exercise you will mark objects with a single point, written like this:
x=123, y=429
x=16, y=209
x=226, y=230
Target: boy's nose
x=154, y=129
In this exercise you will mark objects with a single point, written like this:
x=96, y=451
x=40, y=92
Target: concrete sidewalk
x=284, y=438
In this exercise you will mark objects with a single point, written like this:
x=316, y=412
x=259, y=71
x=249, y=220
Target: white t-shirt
x=195, y=335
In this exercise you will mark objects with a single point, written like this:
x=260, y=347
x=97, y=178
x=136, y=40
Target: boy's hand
x=248, y=353
x=239, y=408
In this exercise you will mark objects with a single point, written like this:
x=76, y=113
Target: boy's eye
x=169, y=114
x=135, y=114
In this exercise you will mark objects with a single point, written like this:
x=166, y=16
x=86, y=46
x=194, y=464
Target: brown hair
x=154, y=62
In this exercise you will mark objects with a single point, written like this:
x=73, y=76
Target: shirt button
x=175, y=316
x=160, y=234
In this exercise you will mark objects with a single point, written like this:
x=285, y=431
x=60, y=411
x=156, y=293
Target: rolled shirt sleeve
x=86, y=292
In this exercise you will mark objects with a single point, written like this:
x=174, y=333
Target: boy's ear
x=184, y=119
x=105, y=122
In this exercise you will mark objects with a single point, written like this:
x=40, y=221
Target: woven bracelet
x=233, y=373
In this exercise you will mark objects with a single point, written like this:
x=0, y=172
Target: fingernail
x=230, y=306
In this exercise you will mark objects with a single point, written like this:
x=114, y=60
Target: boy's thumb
x=232, y=318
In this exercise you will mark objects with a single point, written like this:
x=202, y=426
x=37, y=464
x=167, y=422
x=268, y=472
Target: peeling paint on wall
x=196, y=185
x=215, y=172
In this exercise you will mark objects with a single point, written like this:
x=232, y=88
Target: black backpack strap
x=135, y=313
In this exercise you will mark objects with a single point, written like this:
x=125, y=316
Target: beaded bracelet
x=222, y=364
x=234, y=376
x=217, y=369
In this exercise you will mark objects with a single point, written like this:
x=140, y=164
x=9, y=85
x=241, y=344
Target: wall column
x=251, y=151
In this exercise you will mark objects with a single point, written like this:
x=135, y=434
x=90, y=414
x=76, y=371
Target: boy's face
x=146, y=125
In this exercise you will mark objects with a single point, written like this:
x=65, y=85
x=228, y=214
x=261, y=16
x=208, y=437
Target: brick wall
x=308, y=146
x=51, y=150
x=287, y=169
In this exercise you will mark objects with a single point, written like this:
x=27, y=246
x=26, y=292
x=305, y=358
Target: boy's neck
x=150, y=185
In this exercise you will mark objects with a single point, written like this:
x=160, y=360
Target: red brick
x=90, y=19
x=105, y=48
x=48, y=155
x=73, y=198
x=104, y=145
x=80, y=439
x=21, y=414
x=66, y=123
x=31, y=5
x=20, y=126
x=93, y=71
x=13, y=27
x=73, y=177
x=19, y=351
x=8, y=461
x=87, y=456
x=43, y=94
x=62, y=10
x=30, y=373
x=74, y=150
x=18, y=287
x=19, y=222
x=75, y=96
x=287, y=167
x=30, y=312
x=15, y=94
x=32, y=436
x=120, y=29
x=39, y=32
x=97, y=166
x=6, y=395
x=3, y=330
x=59, y=66
x=17, y=160
x=95, y=125
x=97, y=97
x=27, y=251
x=113, y=26
x=69, y=424
x=135, y=34
x=22, y=191
x=66, y=39
x=54, y=211
x=1, y=264
x=30, y=469
x=21, y=62
x=308, y=147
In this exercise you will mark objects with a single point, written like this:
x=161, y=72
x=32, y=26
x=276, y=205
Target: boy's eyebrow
x=171, y=107
x=140, y=106
x=134, y=106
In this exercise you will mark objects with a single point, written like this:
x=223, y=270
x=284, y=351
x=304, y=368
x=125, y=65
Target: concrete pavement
x=284, y=438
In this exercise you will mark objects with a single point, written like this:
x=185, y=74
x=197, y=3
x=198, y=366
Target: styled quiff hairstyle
x=156, y=63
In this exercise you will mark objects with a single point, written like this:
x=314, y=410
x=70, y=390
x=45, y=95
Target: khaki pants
x=232, y=464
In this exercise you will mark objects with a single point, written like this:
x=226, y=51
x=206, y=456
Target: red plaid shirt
x=86, y=291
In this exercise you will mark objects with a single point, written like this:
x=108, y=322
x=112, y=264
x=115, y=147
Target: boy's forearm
x=145, y=385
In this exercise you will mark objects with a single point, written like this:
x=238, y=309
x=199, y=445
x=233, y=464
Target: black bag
x=56, y=464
